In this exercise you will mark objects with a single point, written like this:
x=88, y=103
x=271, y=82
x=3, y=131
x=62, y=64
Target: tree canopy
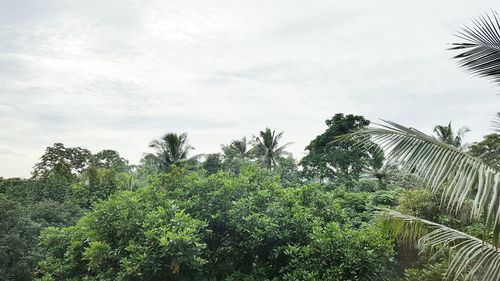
x=331, y=158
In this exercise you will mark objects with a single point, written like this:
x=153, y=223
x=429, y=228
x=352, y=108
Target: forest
x=367, y=202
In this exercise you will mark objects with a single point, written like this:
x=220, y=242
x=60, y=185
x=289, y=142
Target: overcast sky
x=117, y=74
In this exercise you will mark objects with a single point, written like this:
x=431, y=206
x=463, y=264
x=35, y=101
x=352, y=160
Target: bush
x=133, y=235
x=186, y=226
x=337, y=253
x=388, y=198
x=420, y=203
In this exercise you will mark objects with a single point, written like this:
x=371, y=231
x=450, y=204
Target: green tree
x=287, y=170
x=235, y=155
x=73, y=161
x=24, y=213
x=109, y=159
x=488, y=150
x=213, y=163
x=236, y=149
x=328, y=249
x=63, y=160
x=446, y=135
x=140, y=235
x=97, y=184
x=18, y=240
x=171, y=149
x=267, y=149
x=252, y=220
x=334, y=159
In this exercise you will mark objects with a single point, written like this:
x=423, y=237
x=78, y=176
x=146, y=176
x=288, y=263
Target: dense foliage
x=224, y=216
x=185, y=226
x=253, y=213
x=249, y=212
x=334, y=159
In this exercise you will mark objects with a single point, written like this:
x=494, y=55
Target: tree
x=328, y=249
x=171, y=149
x=68, y=161
x=237, y=148
x=109, y=159
x=266, y=148
x=235, y=155
x=26, y=206
x=213, y=163
x=140, y=235
x=73, y=161
x=18, y=239
x=287, y=171
x=331, y=158
x=183, y=225
x=446, y=135
x=488, y=150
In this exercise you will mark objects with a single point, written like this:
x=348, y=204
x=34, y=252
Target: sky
x=117, y=74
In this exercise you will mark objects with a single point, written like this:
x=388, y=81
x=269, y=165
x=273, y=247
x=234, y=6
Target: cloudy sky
x=117, y=74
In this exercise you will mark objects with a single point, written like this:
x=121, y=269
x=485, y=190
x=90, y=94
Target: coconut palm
x=237, y=148
x=267, y=149
x=446, y=135
x=171, y=149
x=482, y=47
x=456, y=176
x=235, y=155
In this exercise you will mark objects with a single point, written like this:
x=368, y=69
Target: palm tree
x=460, y=179
x=446, y=135
x=171, y=149
x=267, y=149
x=456, y=176
x=237, y=148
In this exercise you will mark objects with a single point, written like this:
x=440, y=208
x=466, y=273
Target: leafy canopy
x=335, y=159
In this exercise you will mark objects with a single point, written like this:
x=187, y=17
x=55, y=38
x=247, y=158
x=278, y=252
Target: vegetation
x=267, y=148
x=171, y=149
x=340, y=160
x=463, y=182
x=359, y=206
x=446, y=135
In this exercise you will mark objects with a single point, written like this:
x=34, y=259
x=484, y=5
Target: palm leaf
x=473, y=258
x=482, y=47
x=496, y=123
x=444, y=169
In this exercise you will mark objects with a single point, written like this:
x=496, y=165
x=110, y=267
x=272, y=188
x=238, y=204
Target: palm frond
x=482, y=47
x=496, y=123
x=281, y=149
x=405, y=230
x=473, y=258
x=456, y=175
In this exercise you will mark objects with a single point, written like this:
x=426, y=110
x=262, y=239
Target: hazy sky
x=117, y=74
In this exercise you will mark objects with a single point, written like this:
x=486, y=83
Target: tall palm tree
x=458, y=177
x=171, y=149
x=446, y=135
x=267, y=149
